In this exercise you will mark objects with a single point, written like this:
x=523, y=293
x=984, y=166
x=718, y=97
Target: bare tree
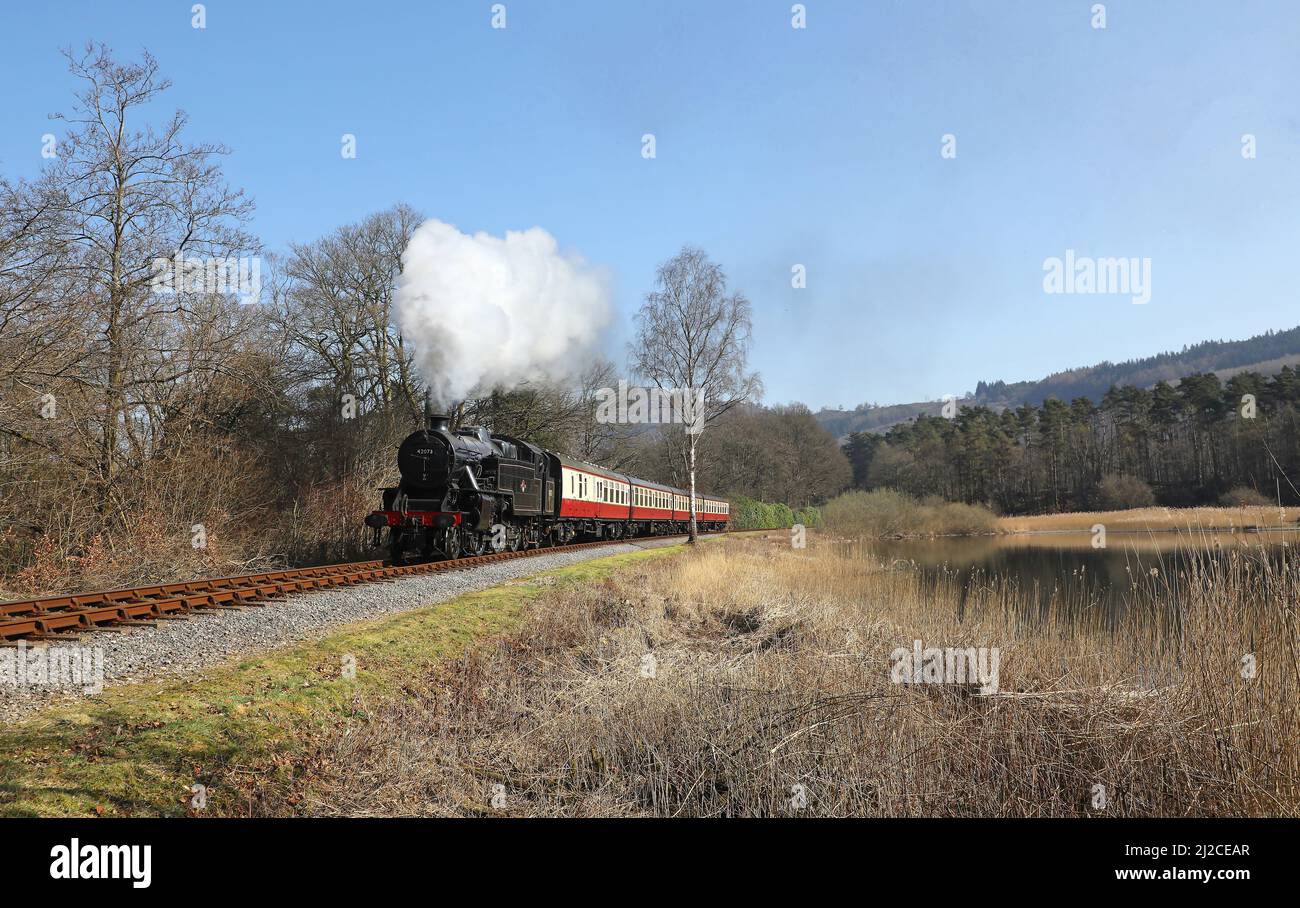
x=127, y=196
x=595, y=440
x=693, y=339
x=341, y=296
x=40, y=340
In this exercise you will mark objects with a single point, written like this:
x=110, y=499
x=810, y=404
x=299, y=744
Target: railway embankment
x=201, y=715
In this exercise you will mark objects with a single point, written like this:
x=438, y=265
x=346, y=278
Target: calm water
x=1066, y=575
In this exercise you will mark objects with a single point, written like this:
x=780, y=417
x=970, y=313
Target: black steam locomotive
x=465, y=491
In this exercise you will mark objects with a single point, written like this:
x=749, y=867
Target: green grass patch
x=136, y=749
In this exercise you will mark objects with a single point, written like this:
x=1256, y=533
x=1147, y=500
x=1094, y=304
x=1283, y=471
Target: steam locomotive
x=464, y=492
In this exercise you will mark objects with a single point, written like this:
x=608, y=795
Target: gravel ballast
x=178, y=648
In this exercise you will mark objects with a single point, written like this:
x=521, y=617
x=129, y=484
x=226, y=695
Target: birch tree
x=693, y=340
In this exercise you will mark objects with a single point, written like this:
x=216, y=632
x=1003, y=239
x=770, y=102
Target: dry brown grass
x=771, y=671
x=1155, y=518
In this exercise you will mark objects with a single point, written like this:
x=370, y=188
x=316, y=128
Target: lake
x=1063, y=574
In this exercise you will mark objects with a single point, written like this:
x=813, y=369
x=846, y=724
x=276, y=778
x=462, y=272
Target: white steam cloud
x=483, y=311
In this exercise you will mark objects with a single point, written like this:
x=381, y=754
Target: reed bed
x=747, y=678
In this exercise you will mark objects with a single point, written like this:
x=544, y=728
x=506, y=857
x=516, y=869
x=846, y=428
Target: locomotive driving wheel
x=472, y=543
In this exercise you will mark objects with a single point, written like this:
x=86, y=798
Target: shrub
x=1244, y=497
x=887, y=512
x=810, y=517
x=748, y=514
x=1118, y=492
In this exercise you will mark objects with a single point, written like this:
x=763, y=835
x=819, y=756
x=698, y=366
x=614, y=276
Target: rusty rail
x=65, y=616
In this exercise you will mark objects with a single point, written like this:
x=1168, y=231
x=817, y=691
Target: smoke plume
x=481, y=311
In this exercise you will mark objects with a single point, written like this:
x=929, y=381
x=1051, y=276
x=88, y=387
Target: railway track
x=66, y=617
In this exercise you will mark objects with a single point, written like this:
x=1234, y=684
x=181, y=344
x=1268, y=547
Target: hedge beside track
x=748, y=514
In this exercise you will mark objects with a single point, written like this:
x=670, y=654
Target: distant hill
x=1264, y=353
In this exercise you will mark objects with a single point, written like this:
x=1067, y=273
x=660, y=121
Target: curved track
x=66, y=616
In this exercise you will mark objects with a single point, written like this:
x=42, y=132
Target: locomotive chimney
x=433, y=422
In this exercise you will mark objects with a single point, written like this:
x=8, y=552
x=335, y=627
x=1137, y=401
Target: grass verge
x=240, y=730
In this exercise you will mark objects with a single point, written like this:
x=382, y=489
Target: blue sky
x=775, y=147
